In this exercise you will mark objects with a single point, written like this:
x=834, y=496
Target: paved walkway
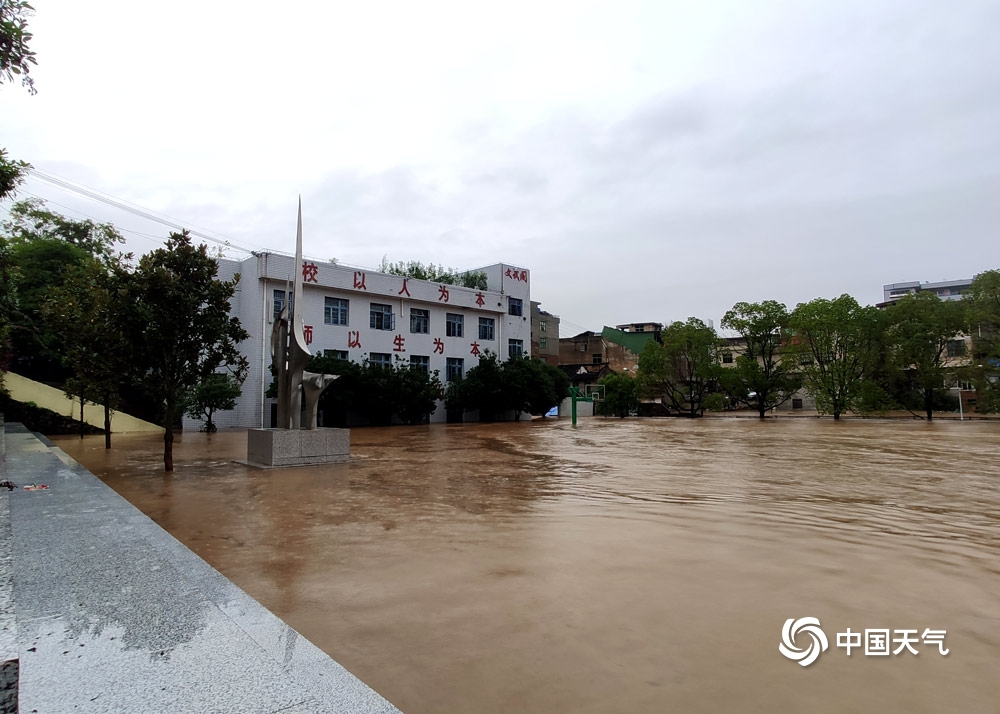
x=115, y=615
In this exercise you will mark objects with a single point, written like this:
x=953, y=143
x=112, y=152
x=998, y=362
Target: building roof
x=632, y=341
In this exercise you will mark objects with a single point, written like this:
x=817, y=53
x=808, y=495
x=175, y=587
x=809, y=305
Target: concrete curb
x=114, y=614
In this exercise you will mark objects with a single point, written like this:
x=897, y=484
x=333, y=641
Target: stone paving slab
x=113, y=614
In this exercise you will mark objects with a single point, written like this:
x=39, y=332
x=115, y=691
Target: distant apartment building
x=544, y=334
x=946, y=290
x=653, y=327
x=364, y=315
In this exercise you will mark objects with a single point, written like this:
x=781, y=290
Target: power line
x=120, y=204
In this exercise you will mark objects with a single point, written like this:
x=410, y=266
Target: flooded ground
x=621, y=566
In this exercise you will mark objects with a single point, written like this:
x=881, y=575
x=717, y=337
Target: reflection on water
x=621, y=566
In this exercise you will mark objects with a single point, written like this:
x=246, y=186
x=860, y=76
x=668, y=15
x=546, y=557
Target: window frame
x=417, y=321
x=490, y=324
x=425, y=362
x=450, y=364
x=380, y=362
x=454, y=324
x=515, y=307
x=511, y=344
x=332, y=313
x=384, y=316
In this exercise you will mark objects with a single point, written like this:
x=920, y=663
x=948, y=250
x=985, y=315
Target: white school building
x=357, y=314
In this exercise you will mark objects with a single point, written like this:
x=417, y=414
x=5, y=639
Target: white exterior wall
x=253, y=305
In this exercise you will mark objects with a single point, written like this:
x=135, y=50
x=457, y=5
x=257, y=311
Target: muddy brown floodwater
x=622, y=566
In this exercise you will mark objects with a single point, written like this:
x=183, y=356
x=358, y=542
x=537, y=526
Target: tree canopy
x=182, y=326
x=682, y=370
x=840, y=342
x=921, y=327
x=762, y=378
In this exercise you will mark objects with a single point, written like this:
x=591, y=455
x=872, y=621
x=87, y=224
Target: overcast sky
x=646, y=161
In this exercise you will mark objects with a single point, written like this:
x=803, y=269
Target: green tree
x=215, y=392
x=482, y=388
x=417, y=392
x=42, y=267
x=761, y=377
x=435, y=273
x=31, y=220
x=15, y=56
x=181, y=325
x=532, y=386
x=46, y=247
x=88, y=319
x=684, y=369
x=983, y=302
x=8, y=305
x=921, y=326
x=841, y=341
x=621, y=395
x=12, y=174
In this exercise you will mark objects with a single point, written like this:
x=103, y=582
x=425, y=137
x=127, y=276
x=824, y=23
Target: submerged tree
x=621, y=395
x=216, y=392
x=921, y=327
x=983, y=299
x=762, y=378
x=840, y=340
x=182, y=328
x=684, y=369
x=89, y=321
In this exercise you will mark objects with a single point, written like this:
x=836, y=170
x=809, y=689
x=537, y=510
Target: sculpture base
x=298, y=447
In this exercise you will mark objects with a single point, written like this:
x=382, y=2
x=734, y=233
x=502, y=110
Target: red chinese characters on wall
x=399, y=341
x=405, y=290
x=480, y=300
x=438, y=346
x=359, y=280
x=354, y=338
x=443, y=294
x=516, y=274
x=475, y=349
x=307, y=332
x=309, y=272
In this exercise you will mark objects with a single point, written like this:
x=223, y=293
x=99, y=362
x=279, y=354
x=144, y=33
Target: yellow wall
x=23, y=389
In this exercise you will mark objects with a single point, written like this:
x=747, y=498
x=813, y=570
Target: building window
x=956, y=348
x=805, y=359
x=486, y=325
x=455, y=366
x=279, y=302
x=515, y=348
x=420, y=362
x=453, y=325
x=541, y=326
x=515, y=306
x=382, y=317
x=542, y=343
x=796, y=404
x=335, y=311
x=597, y=358
x=420, y=320
x=380, y=359
x=727, y=358
x=336, y=354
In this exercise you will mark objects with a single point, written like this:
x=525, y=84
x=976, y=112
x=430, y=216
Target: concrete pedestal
x=298, y=447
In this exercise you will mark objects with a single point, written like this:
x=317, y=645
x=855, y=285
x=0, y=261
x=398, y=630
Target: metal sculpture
x=290, y=354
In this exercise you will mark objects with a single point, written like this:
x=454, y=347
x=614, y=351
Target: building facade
x=357, y=314
x=544, y=334
x=946, y=290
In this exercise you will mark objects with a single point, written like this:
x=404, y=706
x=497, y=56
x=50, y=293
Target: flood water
x=621, y=566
